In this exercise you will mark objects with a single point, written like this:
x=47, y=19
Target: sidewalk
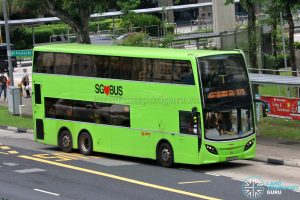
x=26, y=109
x=269, y=150
x=278, y=151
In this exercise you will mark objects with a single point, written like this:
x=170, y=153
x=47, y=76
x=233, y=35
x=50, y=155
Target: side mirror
x=264, y=106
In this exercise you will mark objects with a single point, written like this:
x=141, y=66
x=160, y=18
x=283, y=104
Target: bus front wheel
x=165, y=156
x=85, y=143
x=65, y=141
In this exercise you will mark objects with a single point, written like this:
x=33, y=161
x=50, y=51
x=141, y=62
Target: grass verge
x=280, y=128
x=7, y=119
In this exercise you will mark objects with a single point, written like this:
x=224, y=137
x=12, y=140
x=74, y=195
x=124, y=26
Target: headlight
x=211, y=149
x=249, y=144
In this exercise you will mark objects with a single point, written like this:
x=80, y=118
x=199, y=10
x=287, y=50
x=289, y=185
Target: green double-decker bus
x=172, y=105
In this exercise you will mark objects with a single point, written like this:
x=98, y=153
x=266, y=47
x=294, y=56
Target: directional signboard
x=24, y=53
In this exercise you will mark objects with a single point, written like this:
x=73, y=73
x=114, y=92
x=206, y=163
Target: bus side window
x=162, y=71
x=183, y=73
x=83, y=65
x=63, y=63
x=101, y=65
x=43, y=62
x=125, y=67
x=186, y=122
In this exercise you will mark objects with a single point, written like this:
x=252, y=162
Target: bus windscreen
x=224, y=81
x=227, y=97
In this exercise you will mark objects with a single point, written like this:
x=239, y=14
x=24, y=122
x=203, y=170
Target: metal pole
x=33, y=38
x=0, y=34
x=68, y=33
x=11, y=77
x=114, y=27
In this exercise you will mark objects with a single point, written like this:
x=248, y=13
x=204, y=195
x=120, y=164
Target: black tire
x=85, y=143
x=65, y=141
x=165, y=155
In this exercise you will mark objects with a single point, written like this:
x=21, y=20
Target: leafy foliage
x=136, y=39
x=297, y=45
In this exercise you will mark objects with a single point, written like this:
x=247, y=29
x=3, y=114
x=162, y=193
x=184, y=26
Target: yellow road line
x=71, y=155
x=182, y=192
x=5, y=147
x=13, y=152
x=205, y=181
x=52, y=156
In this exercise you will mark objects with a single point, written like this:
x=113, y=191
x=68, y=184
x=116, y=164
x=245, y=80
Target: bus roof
x=147, y=52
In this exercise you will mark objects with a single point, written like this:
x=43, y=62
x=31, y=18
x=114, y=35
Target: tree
x=288, y=6
x=75, y=13
x=271, y=7
x=250, y=7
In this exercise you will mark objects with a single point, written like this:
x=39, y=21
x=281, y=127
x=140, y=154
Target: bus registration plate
x=231, y=158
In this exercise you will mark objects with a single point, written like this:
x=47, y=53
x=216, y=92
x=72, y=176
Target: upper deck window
x=114, y=67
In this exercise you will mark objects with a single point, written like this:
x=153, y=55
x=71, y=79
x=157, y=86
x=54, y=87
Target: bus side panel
x=152, y=124
x=158, y=124
x=186, y=150
x=101, y=135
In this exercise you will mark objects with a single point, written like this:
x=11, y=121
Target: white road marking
x=185, y=169
x=204, y=181
x=23, y=171
x=212, y=174
x=38, y=190
x=236, y=179
x=10, y=164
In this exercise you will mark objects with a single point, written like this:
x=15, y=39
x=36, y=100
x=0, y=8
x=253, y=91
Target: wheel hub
x=84, y=144
x=165, y=154
x=66, y=141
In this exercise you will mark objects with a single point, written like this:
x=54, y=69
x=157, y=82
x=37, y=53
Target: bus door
x=190, y=138
x=38, y=110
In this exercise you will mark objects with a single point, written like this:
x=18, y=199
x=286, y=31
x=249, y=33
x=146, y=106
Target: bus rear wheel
x=85, y=143
x=65, y=141
x=165, y=156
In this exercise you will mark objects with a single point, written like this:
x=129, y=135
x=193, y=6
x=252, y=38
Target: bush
x=106, y=24
x=275, y=63
x=141, y=20
x=297, y=45
x=167, y=41
x=136, y=39
x=22, y=37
